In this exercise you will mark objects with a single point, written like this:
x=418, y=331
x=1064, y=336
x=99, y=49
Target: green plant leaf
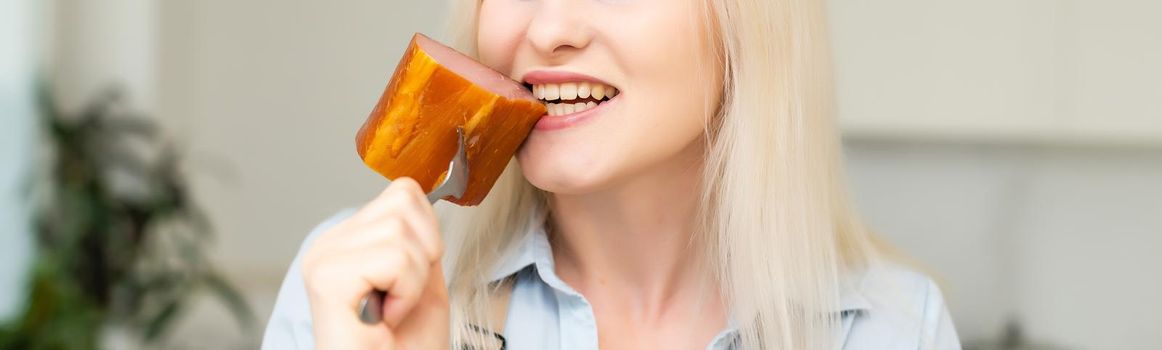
x=160, y=323
x=105, y=254
x=234, y=300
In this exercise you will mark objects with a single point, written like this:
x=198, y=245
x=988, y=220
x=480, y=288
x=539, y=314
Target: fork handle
x=371, y=307
x=437, y=194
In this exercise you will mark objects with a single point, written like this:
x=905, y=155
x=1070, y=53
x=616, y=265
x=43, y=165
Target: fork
x=455, y=183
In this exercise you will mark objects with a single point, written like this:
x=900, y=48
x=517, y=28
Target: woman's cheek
x=491, y=51
x=498, y=37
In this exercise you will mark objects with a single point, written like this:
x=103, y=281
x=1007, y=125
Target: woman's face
x=651, y=85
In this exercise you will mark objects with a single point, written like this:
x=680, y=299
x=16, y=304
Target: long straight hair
x=775, y=223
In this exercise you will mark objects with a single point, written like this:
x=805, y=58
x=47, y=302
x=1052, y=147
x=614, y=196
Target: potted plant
x=120, y=243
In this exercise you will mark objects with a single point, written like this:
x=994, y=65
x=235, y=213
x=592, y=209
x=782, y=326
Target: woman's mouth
x=563, y=99
x=570, y=98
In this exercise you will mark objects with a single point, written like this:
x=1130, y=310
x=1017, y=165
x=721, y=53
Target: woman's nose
x=559, y=28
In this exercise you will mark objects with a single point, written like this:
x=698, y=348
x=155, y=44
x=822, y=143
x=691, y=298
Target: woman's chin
x=573, y=163
x=555, y=177
x=559, y=183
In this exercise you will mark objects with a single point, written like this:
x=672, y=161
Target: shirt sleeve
x=938, y=332
x=290, y=322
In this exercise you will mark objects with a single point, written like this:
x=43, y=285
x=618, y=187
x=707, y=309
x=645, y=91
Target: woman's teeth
x=571, y=91
x=569, y=108
x=572, y=97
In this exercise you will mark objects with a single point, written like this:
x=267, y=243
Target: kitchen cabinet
x=1000, y=70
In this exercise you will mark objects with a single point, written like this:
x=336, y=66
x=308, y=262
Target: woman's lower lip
x=556, y=122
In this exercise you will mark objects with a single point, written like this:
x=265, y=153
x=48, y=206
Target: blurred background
x=1012, y=147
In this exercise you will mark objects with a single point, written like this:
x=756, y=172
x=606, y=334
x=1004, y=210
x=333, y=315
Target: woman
x=696, y=203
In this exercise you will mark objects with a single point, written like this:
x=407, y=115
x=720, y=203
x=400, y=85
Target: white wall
x=1077, y=71
x=101, y=44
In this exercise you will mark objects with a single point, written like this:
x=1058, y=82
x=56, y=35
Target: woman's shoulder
x=905, y=308
x=325, y=225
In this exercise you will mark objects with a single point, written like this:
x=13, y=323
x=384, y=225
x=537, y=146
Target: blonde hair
x=776, y=224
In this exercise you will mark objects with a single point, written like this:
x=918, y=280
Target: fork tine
x=456, y=180
x=459, y=171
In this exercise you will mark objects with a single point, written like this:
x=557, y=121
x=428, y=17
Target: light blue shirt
x=885, y=307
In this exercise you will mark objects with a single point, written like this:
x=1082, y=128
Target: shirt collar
x=532, y=249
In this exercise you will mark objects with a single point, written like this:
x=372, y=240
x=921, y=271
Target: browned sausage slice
x=412, y=130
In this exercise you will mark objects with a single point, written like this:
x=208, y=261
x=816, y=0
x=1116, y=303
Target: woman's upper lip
x=557, y=77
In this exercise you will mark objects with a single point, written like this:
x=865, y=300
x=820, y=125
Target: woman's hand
x=391, y=244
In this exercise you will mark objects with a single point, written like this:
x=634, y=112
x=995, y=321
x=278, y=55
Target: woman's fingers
x=421, y=222
x=431, y=310
x=405, y=200
x=403, y=189
x=398, y=265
